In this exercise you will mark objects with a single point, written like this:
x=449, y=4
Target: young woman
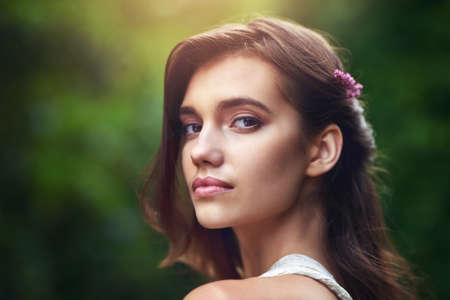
x=263, y=180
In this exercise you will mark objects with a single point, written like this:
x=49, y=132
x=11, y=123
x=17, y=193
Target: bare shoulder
x=279, y=287
x=218, y=290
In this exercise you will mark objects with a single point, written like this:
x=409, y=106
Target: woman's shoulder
x=278, y=287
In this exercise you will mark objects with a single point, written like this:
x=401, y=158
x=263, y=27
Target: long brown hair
x=365, y=261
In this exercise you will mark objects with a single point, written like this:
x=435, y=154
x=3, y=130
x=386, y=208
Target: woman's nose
x=207, y=149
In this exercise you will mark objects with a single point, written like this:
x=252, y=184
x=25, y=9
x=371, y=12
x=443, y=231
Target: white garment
x=306, y=266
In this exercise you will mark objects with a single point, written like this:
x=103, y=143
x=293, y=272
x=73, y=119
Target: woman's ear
x=325, y=151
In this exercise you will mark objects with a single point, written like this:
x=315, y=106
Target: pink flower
x=353, y=88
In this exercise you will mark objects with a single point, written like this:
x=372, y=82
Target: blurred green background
x=81, y=88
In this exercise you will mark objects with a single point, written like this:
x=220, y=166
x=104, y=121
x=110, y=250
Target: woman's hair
x=365, y=262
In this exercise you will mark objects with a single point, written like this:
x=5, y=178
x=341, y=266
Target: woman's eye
x=240, y=123
x=246, y=122
x=192, y=128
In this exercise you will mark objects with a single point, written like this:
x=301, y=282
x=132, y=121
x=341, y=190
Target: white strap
x=306, y=266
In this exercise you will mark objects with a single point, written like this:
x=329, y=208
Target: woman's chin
x=214, y=223
x=214, y=214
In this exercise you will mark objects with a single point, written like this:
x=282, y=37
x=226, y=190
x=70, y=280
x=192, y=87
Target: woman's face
x=239, y=129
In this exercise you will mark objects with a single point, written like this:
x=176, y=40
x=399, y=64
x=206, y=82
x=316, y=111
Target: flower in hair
x=352, y=88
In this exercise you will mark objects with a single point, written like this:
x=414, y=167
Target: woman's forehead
x=235, y=76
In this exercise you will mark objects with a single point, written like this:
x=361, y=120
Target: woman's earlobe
x=325, y=151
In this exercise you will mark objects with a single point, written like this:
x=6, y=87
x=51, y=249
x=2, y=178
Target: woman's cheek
x=275, y=165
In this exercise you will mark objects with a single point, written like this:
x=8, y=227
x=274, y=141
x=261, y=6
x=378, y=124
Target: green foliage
x=82, y=104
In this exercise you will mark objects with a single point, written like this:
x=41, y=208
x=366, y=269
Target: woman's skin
x=239, y=129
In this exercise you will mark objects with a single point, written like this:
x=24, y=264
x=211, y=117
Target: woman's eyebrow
x=187, y=110
x=232, y=102
x=227, y=104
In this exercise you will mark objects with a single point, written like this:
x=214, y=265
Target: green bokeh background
x=81, y=88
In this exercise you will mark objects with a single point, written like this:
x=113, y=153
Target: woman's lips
x=209, y=186
x=206, y=191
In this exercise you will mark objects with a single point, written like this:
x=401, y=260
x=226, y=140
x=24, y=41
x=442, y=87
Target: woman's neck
x=299, y=229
